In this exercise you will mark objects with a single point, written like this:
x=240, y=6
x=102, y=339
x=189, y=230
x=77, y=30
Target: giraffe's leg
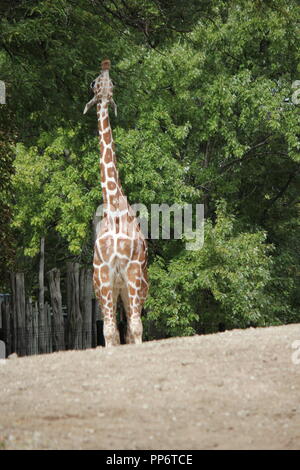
x=134, y=304
x=105, y=294
x=126, y=304
x=134, y=331
x=108, y=310
x=115, y=295
x=110, y=329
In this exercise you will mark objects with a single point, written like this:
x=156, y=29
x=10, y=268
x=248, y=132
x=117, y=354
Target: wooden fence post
x=42, y=314
x=96, y=318
x=35, y=329
x=74, y=313
x=29, y=327
x=48, y=327
x=13, y=313
x=6, y=324
x=19, y=312
x=58, y=335
x=86, y=295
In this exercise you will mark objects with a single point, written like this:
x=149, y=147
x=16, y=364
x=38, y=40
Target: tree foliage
x=224, y=283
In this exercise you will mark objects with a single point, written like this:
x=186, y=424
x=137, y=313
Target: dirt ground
x=234, y=390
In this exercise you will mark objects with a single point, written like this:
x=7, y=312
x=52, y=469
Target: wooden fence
x=29, y=327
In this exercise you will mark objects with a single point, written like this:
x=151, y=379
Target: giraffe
x=120, y=252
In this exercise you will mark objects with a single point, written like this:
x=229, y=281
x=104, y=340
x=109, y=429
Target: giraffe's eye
x=92, y=84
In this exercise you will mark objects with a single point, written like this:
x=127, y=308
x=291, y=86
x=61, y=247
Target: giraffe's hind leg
x=134, y=331
x=108, y=307
x=134, y=304
x=110, y=329
x=126, y=303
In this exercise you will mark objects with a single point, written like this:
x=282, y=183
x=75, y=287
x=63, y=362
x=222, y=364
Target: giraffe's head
x=102, y=88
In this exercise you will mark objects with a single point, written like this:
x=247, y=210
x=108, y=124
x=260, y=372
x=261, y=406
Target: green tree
x=221, y=285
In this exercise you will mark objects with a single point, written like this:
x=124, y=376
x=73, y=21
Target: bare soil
x=234, y=390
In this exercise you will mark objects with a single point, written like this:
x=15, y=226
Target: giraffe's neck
x=111, y=187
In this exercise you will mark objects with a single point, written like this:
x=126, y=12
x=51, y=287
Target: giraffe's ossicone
x=120, y=254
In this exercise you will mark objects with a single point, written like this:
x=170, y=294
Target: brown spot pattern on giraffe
x=105, y=123
x=107, y=249
x=104, y=273
x=111, y=172
x=108, y=156
x=107, y=137
x=124, y=247
x=133, y=271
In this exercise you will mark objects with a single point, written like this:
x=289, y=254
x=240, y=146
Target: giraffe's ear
x=89, y=104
